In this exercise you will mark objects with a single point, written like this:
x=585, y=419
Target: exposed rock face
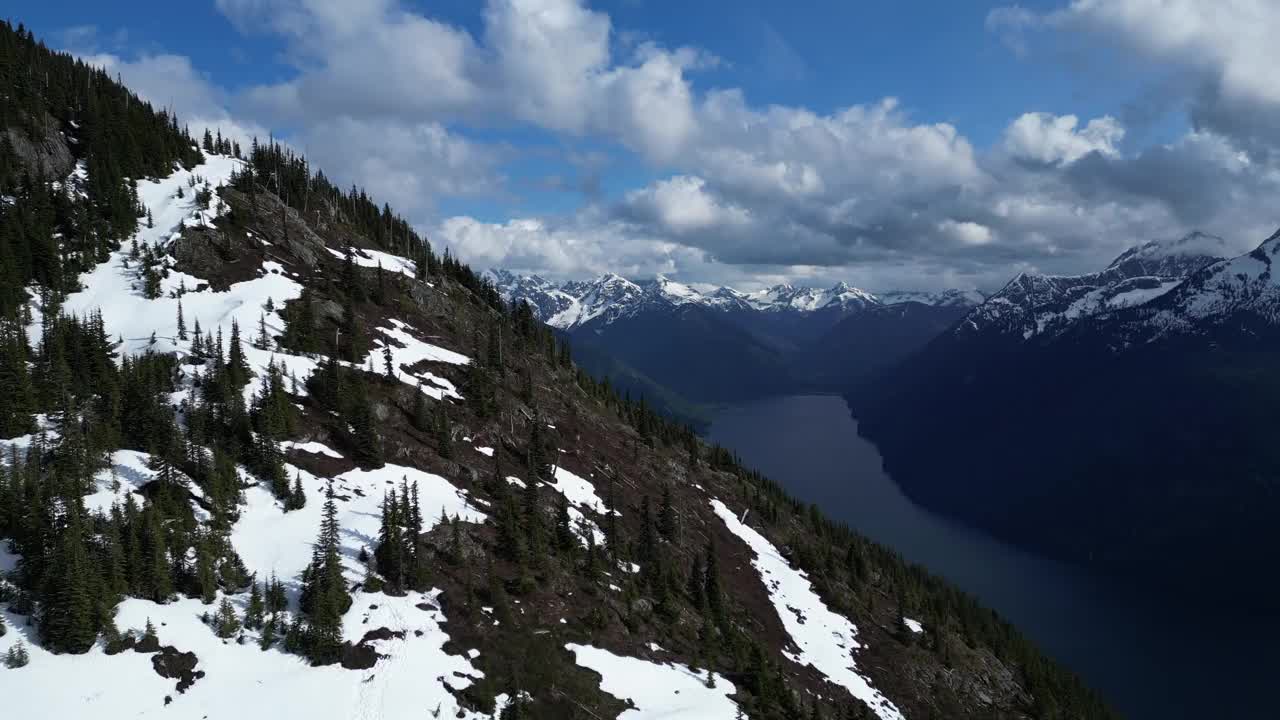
x=48, y=156
x=277, y=224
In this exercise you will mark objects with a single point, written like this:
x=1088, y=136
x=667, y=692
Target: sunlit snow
x=822, y=638
x=659, y=691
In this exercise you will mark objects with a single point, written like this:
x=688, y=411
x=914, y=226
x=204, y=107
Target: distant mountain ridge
x=611, y=297
x=685, y=346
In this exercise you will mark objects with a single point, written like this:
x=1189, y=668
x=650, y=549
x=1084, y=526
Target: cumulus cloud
x=383, y=94
x=1046, y=138
x=1224, y=50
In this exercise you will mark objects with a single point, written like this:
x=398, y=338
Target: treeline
x=50, y=233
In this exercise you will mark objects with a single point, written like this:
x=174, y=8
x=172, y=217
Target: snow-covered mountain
x=1032, y=304
x=944, y=298
x=611, y=297
x=1241, y=294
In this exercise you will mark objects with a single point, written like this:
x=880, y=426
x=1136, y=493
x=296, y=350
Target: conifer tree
x=443, y=431
x=17, y=656
x=182, y=323
x=564, y=529
x=389, y=554
x=228, y=623
x=237, y=365
x=325, y=596
x=421, y=417
x=256, y=609
x=68, y=621
x=297, y=497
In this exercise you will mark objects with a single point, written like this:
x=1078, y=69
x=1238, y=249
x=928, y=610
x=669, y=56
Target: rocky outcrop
x=278, y=224
x=47, y=155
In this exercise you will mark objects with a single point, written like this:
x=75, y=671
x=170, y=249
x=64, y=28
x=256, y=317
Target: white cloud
x=1049, y=139
x=682, y=205
x=389, y=97
x=969, y=233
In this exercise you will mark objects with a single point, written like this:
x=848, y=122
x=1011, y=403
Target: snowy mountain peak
x=611, y=297
x=1031, y=304
x=1172, y=258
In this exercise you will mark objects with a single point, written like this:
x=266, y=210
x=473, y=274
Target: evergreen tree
x=17, y=656
x=443, y=431
x=256, y=610
x=565, y=540
x=325, y=596
x=227, y=623
x=421, y=417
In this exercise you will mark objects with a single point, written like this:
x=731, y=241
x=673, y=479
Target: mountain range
x=1123, y=418
x=684, y=346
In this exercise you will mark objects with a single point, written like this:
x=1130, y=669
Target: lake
x=1148, y=656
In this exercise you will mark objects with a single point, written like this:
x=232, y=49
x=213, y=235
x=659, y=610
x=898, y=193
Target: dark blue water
x=1150, y=656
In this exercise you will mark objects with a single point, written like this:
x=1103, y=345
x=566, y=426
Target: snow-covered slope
x=823, y=639
x=1239, y=296
x=1031, y=304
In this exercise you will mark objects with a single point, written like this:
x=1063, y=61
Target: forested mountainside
x=1123, y=419
x=265, y=452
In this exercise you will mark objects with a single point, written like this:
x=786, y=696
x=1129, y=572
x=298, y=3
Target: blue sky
x=915, y=144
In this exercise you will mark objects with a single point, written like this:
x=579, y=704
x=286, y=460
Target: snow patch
x=823, y=638
x=659, y=691
x=315, y=448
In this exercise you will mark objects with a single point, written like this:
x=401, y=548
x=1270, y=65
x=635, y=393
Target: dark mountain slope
x=872, y=340
x=697, y=353
x=1138, y=440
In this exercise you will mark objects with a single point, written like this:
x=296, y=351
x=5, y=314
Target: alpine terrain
x=267, y=453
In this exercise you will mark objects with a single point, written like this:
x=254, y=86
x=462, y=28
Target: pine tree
x=389, y=554
x=68, y=620
x=182, y=323
x=228, y=623
x=326, y=595
x=205, y=578
x=297, y=497
x=388, y=365
x=17, y=656
x=256, y=610
x=237, y=365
